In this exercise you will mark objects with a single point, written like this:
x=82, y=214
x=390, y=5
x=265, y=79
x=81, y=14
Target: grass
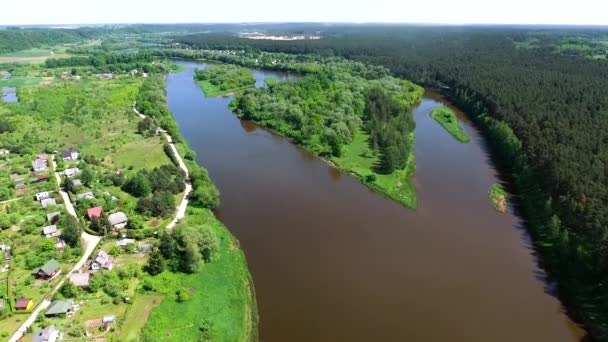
x=137, y=317
x=28, y=53
x=212, y=90
x=447, y=119
x=498, y=197
x=221, y=295
x=19, y=81
x=360, y=160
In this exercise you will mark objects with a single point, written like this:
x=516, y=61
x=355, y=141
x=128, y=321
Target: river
x=333, y=261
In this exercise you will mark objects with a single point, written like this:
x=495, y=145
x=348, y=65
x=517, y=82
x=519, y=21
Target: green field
x=447, y=119
x=19, y=81
x=221, y=298
x=28, y=53
x=212, y=90
x=359, y=159
x=137, y=316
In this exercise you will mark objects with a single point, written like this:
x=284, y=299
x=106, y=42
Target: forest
x=544, y=112
x=223, y=78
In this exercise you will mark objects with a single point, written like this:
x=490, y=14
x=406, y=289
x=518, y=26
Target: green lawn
x=220, y=295
x=28, y=53
x=447, y=119
x=212, y=90
x=19, y=81
x=137, y=317
x=358, y=159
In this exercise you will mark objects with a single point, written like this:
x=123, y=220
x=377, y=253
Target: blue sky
x=578, y=12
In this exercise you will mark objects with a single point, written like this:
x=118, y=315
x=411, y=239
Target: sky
x=573, y=12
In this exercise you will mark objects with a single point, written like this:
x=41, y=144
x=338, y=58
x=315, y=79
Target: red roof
x=22, y=303
x=94, y=212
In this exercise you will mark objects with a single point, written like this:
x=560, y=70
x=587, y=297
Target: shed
x=24, y=304
x=94, y=212
x=42, y=195
x=50, y=231
x=47, y=202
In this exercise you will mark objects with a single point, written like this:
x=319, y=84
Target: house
x=86, y=195
x=51, y=231
x=39, y=165
x=53, y=217
x=144, y=247
x=71, y=172
x=94, y=212
x=59, y=307
x=80, y=279
x=48, y=271
x=48, y=334
x=118, y=220
x=47, y=202
x=124, y=242
x=102, y=260
x=42, y=195
x=107, y=322
x=24, y=304
x=70, y=154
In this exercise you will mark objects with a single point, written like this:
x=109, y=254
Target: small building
x=48, y=271
x=48, y=334
x=51, y=231
x=59, y=307
x=24, y=304
x=60, y=244
x=118, y=220
x=125, y=242
x=48, y=202
x=94, y=212
x=70, y=154
x=107, y=322
x=86, y=195
x=133, y=72
x=66, y=75
x=80, y=279
x=144, y=247
x=53, y=217
x=43, y=156
x=4, y=151
x=71, y=172
x=77, y=182
x=102, y=261
x=41, y=178
x=43, y=195
x=39, y=165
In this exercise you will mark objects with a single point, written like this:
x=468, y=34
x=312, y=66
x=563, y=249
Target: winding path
x=181, y=209
x=89, y=242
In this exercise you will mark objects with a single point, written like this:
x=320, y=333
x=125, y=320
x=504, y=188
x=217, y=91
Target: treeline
x=152, y=102
x=22, y=39
x=323, y=110
x=109, y=62
x=226, y=76
x=546, y=115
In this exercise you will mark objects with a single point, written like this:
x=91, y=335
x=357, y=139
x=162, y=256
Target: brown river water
x=334, y=261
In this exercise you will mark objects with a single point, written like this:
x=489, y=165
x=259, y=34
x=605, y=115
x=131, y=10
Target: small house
x=59, y=307
x=51, y=231
x=86, y=195
x=118, y=220
x=48, y=202
x=53, y=217
x=24, y=304
x=125, y=242
x=102, y=261
x=80, y=279
x=39, y=165
x=70, y=154
x=48, y=271
x=48, y=334
x=71, y=172
x=42, y=195
x=94, y=212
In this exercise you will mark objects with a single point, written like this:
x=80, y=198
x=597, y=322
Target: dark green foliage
x=226, y=76
x=138, y=185
x=101, y=225
x=22, y=39
x=69, y=290
x=152, y=101
x=156, y=263
x=204, y=193
x=188, y=247
x=146, y=127
x=161, y=204
x=71, y=230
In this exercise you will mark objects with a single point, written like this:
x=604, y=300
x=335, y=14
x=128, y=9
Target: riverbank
x=222, y=300
x=447, y=119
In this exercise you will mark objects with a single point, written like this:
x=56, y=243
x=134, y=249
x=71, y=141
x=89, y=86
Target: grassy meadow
x=447, y=119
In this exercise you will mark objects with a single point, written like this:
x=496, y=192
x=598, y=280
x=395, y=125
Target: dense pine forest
x=545, y=111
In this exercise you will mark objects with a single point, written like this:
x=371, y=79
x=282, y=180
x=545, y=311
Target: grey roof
x=42, y=195
x=52, y=216
x=48, y=230
x=68, y=153
x=59, y=307
x=80, y=279
x=77, y=182
x=46, y=335
x=48, y=201
x=86, y=195
x=117, y=218
x=39, y=164
x=109, y=319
